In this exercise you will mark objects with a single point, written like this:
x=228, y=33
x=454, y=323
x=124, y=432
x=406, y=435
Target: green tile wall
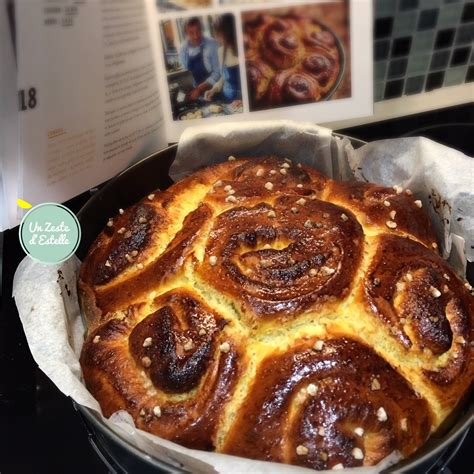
x=422, y=45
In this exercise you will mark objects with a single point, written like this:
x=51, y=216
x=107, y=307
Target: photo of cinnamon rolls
x=296, y=55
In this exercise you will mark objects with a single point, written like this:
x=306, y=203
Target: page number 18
x=27, y=98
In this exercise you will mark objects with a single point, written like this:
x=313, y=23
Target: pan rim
x=432, y=447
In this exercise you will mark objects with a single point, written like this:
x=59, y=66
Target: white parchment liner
x=441, y=177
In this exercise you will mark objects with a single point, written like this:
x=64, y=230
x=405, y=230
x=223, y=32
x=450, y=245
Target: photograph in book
x=202, y=66
x=297, y=55
x=179, y=5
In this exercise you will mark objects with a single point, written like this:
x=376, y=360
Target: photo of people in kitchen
x=202, y=66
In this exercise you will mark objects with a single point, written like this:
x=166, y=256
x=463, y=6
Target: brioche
x=259, y=309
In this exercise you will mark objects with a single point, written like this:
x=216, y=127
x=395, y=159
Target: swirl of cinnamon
x=135, y=285
x=322, y=67
x=377, y=206
x=284, y=257
x=289, y=87
x=416, y=294
x=115, y=246
x=281, y=46
x=328, y=402
x=178, y=349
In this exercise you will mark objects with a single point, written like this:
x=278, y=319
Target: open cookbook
x=92, y=86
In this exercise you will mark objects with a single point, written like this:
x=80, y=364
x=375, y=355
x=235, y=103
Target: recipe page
x=88, y=94
x=234, y=60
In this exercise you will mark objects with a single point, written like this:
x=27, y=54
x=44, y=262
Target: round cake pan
x=118, y=454
x=342, y=63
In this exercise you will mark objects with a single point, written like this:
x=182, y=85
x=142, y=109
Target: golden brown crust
x=379, y=206
x=279, y=281
x=320, y=399
x=213, y=305
x=138, y=360
x=427, y=310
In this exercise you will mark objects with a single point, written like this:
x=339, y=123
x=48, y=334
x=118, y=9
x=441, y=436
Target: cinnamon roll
x=291, y=86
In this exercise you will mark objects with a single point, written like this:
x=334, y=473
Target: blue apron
x=197, y=67
x=231, y=90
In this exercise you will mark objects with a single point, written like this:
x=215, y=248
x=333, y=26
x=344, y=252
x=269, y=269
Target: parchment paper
x=46, y=294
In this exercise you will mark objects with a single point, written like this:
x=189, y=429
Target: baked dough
x=259, y=309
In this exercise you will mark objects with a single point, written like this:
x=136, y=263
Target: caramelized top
x=330, y=400
x=283, y=258
x=182, y=342
x=174, y=350
x=419, y=297
x=377, y=206
x=258, y=308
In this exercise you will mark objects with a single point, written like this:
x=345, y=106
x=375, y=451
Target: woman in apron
x=228, y=88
